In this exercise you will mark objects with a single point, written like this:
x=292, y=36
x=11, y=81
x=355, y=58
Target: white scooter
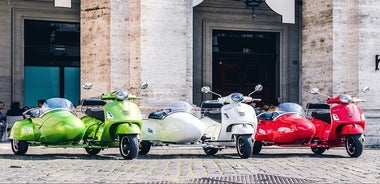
x=175, y=124
x=229, y=123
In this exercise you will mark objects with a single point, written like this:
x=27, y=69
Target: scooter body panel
x=120, y=117
x=212, y=128
x=352, y=129
x=343, y=116
x=127, y=128
x=243, y=129
x=122, y=111
x=176, y=127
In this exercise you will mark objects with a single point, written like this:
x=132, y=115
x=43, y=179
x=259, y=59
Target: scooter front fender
x=128, y=128
x=351, y=129
x=243, y=129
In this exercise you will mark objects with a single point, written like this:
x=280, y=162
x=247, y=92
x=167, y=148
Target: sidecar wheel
x=318, y=150
x=257, y=147
x=354, y=145
x=244, y=146
x=128, y=146
x=210, y=151
x=19, y=147
x=144, y=147
x=92, y=151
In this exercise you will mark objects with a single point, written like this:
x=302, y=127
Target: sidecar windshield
x=290, y=107
x=180, y=106
x=57, y=103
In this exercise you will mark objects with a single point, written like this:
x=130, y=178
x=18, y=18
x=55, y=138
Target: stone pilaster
x=95, y=45
x=317, y=48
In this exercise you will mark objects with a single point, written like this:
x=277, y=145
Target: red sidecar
x=287, y=126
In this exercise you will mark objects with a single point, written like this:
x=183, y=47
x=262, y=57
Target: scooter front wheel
x=354, y=145
x=128, y=146
x=19, y=147
x=244, y=146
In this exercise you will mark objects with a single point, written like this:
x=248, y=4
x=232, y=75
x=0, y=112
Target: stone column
x=317, y=48
x=166, y=50
x=96, y=45
x=126, y=42
x=110, y=39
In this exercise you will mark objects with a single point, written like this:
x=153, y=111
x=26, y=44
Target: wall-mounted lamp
x=252, y=4
x=377, y=60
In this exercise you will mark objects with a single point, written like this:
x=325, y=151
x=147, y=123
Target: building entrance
x=243, y=59
x=52, y=61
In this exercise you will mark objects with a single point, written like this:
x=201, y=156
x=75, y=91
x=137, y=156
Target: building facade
x=179, y=46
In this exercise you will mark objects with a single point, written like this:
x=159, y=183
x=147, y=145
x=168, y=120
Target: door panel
x=243, y=60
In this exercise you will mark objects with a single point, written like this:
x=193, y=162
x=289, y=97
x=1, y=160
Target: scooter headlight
x=237, y=97
x=121, y=95
x=345, y=98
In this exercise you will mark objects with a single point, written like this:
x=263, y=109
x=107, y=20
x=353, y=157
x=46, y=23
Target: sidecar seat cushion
x=161, y=114
x=265, y=115
x=96, y=113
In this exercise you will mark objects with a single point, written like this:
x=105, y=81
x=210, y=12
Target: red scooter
x=288, y=126
x=342, y=125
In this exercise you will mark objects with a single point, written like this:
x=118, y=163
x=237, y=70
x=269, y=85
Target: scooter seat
x=96, y=113
x=161, y=114
x=324, y=116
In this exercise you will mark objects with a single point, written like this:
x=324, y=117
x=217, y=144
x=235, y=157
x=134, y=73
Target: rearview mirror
x=314, y=91
x=365, y=89
x=205, y=89
x=259, y=87
x=144, y=85
x=87, y=85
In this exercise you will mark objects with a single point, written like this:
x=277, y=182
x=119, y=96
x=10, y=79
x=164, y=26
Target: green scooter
x=112, y=121
x=109, y=121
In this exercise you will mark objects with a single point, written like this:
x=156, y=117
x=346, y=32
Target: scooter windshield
x=57, y=103
x=290, y=107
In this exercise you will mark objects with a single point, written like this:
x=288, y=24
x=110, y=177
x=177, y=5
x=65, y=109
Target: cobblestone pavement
x=188, y=165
